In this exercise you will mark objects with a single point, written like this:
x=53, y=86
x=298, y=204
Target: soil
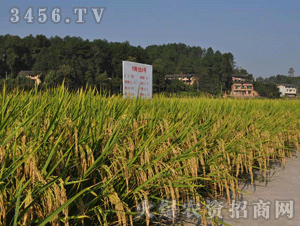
x=282, y=184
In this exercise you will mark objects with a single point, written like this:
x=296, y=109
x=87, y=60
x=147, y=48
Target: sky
x=263, y=36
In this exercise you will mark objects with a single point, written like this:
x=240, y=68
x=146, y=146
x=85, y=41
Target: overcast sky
x=262, y=35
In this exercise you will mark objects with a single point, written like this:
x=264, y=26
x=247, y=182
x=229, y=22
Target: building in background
x=188, y=79
x=242, y=87
x=31, y=75
x=288, y=90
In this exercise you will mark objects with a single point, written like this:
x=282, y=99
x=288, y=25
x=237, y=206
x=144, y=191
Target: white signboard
x=137, y=80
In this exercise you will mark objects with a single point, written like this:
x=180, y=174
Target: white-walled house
x=287, y=90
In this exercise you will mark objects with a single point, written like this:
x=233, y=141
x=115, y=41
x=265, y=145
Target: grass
x=86, y=159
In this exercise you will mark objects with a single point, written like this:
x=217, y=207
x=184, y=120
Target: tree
x=227, y=66
x=265, y=89
x=158, y=75
x=50, y=78
x=291, y=72
x=99, y=62
x=102, y=81
x=176, y=86
x=66, y=73
x=13, y=47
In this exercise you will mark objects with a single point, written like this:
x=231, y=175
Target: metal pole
x=197, y=83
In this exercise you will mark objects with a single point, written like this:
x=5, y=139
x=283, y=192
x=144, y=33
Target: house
x=188, y=79
x=26, y=73
x=30, y=75
x=242, y=87
x=287, y=90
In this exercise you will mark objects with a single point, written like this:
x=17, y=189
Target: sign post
x=137, y=80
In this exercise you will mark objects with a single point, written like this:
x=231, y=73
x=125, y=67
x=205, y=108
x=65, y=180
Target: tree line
x=267, y=87
x=98, y=63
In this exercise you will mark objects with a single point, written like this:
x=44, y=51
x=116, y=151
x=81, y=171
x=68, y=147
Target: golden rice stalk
x=115, y=200
x=227, y=190
x=3, y=207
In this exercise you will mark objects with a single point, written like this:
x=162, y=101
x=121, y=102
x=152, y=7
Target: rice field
x=87, y=159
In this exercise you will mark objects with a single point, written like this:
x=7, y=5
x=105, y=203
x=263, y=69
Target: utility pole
x=3, y=59
x=198, y=78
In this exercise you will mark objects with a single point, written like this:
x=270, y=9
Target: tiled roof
x=26, y=73
x=180, y=75
x=288, y=85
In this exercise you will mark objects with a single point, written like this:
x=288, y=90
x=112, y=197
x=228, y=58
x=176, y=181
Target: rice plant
x=87, y=159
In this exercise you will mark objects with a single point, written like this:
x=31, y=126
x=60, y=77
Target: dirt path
x=284, y=185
